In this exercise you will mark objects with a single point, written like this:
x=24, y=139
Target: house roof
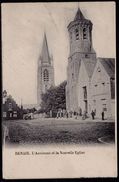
x=109, y=66
x=79, y=15
x=89, y=65
x=45, y=52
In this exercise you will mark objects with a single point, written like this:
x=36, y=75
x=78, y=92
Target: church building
x=81, y=52
x=45, y=72
x=81, y=76
x=103, y=87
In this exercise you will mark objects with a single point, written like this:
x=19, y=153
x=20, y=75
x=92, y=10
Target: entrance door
x=104, y=107
x=86, y=105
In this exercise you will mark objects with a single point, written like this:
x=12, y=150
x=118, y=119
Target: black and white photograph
x=58, y=90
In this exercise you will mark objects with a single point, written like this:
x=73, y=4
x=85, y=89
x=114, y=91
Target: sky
x=23, y=27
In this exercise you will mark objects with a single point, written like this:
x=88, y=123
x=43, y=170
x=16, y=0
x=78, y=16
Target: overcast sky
x=23, y=26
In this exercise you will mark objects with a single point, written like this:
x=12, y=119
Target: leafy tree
x=54, y=99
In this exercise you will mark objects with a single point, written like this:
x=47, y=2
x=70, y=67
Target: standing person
x=50, y=113
x=71, y=113
x=84, y=115
x=103, y=115
x=61, y=113
x=66, y=114
x=93, y=115
x=80, y=112
x=58, y=114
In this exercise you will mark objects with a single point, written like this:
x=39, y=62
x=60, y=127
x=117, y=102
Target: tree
x=54, y=99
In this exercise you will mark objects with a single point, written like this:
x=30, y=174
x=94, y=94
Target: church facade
x=81, y=74
x=103, y=87
x=45, y=72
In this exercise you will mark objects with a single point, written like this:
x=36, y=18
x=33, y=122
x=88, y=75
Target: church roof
x=109, y=66
x=79, y=15
x=45, y=52
x=89, y=65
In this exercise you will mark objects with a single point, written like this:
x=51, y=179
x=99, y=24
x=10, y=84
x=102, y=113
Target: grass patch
x=44, y=133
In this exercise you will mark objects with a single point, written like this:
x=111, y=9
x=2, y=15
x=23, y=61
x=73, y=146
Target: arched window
x=84, y=33
x=77, y=34
x=46, y=75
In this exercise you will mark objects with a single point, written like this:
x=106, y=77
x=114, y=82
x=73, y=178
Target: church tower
x=80, y=38
x=45, y=72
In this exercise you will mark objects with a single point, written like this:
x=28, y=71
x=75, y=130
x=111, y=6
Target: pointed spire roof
x=45, y=52
x=79, y=15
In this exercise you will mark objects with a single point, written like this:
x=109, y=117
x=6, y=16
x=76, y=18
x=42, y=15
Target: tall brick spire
x=45, y=72
x=45, y=52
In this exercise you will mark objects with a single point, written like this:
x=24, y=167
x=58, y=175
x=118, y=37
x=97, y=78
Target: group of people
x=93, y=113
x=73, y=114
x=66, y=114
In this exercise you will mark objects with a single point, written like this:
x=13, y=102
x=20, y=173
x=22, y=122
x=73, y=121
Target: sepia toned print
x=62, y=100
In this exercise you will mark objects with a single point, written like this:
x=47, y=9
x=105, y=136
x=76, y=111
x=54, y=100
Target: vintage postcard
x=59, y=92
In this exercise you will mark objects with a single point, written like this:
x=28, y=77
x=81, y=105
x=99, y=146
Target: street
x=60, y=131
